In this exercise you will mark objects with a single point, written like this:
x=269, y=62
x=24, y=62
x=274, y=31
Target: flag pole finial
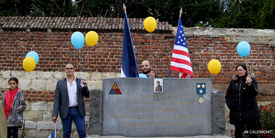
x=124, y=7
x=180, y=12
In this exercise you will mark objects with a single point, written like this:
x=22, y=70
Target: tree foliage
x=53, y=8
x=247, y=14
x=215, y=13
x=14, y=7
x=194, y=11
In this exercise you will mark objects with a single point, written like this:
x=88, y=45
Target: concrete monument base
x=132, y=107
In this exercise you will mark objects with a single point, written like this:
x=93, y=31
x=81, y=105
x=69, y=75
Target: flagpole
x=180, y=13
x=54, y=129
x=124, y=8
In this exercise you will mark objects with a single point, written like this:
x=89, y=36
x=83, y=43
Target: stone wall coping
x=76, y=23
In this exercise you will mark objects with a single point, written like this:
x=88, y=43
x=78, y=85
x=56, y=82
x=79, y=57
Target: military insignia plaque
x=201, y=91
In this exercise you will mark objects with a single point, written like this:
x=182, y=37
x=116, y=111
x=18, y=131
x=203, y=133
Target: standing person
x=69, y=102
x=147, y=69
x=14, y=105
x=241, y=100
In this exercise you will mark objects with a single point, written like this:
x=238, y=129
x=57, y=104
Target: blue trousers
x=79, y=121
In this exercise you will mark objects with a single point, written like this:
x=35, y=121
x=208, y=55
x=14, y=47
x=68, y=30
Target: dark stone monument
x=218, y=112
x=95, y=112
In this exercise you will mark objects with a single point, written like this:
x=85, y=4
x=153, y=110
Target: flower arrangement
x=267, y=120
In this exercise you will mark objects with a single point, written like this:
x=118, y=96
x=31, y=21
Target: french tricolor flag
x=53, y=134
x=128, y=59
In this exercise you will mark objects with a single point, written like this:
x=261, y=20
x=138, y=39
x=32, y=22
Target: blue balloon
x=78, y=40
x=34, y=55
x=243, y=49
x=141, y=75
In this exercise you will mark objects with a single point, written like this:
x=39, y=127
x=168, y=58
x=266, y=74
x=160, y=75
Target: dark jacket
x=241, y=100
x=15, y=118
x=61, y=98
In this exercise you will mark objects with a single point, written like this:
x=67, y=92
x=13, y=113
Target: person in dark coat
x=241, y=100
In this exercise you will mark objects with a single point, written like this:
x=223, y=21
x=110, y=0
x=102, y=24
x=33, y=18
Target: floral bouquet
x=267, y=121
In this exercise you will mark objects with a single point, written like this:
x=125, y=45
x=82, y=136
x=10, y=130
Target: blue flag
x=128, y=59
x=52, y=135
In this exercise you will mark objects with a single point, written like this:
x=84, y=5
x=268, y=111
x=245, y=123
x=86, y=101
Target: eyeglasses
x=69, y=68
x=240, y=70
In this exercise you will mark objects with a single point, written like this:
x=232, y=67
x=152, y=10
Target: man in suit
x=69, y=102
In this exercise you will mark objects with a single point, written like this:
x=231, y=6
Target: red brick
x=55, y=49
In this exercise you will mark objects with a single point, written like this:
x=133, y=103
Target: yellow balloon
x=150, y=24
x=29, y=64
x=91, y=38
x=214, y=66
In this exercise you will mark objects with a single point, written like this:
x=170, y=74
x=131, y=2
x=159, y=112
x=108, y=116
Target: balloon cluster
x=243, y=49
x=78, y=39
x=30, y=61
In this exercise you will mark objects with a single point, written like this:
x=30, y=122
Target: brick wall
x=55, y=50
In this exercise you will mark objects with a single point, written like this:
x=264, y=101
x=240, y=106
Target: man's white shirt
x=72, y=93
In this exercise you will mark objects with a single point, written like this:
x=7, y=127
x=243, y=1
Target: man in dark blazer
x=69, y=102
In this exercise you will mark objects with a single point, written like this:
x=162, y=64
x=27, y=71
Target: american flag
x=180, y=58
